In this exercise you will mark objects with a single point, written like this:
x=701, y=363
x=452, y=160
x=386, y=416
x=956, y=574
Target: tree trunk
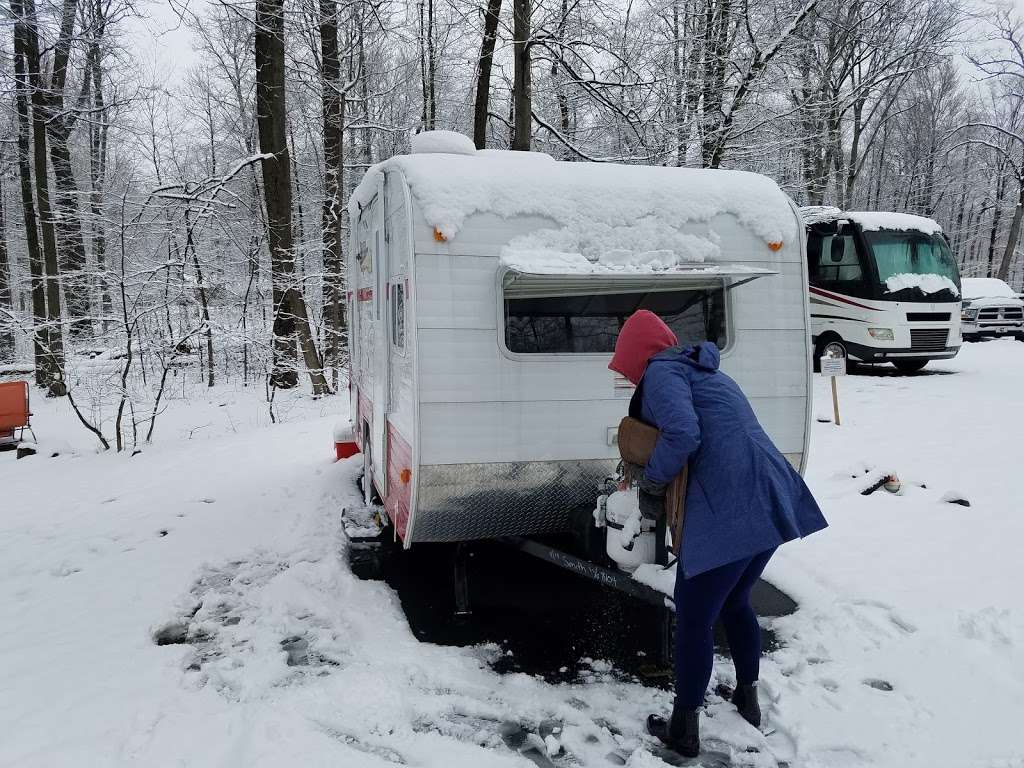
x=60, y=121
x=290, y=318
x=28, y=206
x=1011, y=241
x=678, y=113
x=6, y=303
x=53, y=339
x=483, y=76
x=716, y=59
x=334, y=122
x=522, y=98
x=997, y=215
x=98, y=162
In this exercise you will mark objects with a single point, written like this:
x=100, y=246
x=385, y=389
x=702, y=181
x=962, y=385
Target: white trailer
x=486, y=290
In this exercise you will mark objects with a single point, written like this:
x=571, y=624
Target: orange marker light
x=439, y=236
x=775, y=246
x=405, y=475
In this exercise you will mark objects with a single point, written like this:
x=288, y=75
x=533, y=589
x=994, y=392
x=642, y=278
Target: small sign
x=833, y=366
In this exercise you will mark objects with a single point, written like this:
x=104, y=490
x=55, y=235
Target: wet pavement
x=545, y=620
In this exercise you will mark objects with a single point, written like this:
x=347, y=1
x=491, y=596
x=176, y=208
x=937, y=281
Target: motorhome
x=884, y=288
x=486, y=290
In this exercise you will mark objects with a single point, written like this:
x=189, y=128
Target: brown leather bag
x=636, y=444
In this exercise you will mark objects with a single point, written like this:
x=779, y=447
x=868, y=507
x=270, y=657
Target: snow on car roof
x=599, y=208
x=871, y=220
x=986, y=288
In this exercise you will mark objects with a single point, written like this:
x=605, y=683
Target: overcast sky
x=170, y=43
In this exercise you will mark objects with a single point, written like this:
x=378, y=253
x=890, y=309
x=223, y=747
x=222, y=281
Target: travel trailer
x=884, y=288
x=486, y=290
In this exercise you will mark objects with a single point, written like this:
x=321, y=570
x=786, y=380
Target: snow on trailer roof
x=871, y=221
x=627, y=217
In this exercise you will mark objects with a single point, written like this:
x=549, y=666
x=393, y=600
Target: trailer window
x=398, y=315
x=590, y=323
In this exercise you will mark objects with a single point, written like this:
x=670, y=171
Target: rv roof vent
x=442, y=142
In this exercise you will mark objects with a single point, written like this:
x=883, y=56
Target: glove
x=652, y=498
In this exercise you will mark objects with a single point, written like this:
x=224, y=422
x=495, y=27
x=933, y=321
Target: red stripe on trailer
x=365, y=294
x=837, y=297
x=399, y=498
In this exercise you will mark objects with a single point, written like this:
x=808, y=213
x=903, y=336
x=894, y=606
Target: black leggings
x=722, y=592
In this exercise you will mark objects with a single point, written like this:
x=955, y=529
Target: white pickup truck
x=990, y=308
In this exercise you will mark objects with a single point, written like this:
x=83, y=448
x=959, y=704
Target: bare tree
x=6, y=301
x=481, y=107
x=51, y=336
x=522, y=96
x=291, y=321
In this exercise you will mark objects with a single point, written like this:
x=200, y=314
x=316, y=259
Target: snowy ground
x=908, y=648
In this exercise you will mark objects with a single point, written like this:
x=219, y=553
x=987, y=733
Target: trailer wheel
x=909, y=366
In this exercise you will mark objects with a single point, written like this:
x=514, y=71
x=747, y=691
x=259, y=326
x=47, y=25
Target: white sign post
x=832, y=367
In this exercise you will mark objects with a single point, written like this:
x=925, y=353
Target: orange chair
x=14, y=412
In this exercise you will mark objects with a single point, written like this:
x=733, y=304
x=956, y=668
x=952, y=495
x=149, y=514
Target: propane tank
x=629, y=538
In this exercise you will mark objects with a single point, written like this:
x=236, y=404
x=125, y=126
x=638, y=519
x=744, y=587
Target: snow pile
x=619, y=262
x=442, y=142
x=902, y=222
x=986, y=288
x=604, y=248
x=596, y=208
x=927, y=283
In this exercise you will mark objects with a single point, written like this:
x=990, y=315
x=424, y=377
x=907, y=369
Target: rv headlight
x=881, y=334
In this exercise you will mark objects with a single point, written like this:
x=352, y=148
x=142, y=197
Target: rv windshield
x=914, y=266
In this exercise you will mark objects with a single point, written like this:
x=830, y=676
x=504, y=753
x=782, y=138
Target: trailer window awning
x=524, y=285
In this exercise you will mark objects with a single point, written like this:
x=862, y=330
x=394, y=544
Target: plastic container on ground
x=344, y=440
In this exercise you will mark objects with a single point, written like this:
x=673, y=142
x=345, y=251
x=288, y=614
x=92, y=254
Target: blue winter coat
x=743, y=496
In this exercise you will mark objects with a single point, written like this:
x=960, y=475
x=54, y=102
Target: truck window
x=590, y=323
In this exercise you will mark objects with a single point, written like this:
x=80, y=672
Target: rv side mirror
x=838, y=250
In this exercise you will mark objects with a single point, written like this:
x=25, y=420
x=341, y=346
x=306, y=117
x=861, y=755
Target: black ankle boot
x=745, y=700
x=681, y=733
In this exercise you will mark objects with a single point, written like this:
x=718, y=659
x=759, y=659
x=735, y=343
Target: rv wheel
x=834, y=347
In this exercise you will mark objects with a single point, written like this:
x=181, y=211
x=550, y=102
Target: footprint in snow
x=878, y=685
